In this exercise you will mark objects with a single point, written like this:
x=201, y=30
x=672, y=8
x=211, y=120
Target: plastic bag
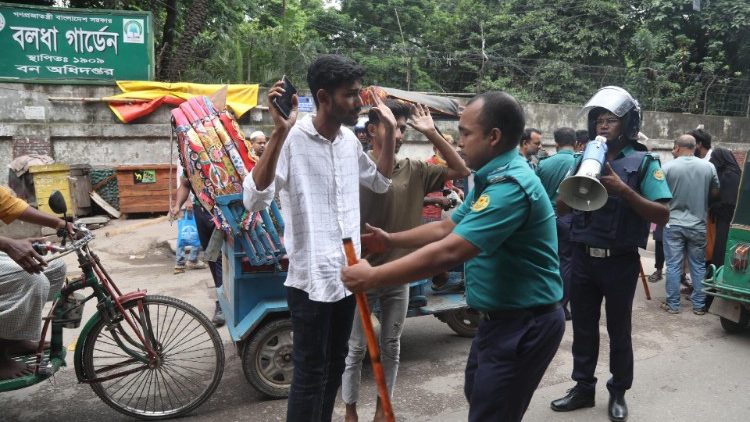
x=187, y=231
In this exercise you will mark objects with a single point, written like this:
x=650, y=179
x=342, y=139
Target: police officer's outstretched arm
x=377, y=240
x=654, y=211
x=434, y=258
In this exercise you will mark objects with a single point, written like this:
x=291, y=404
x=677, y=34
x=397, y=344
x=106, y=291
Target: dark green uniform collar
x=566, y=151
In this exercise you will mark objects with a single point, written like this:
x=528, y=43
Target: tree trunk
x=194, y=23
x=167, y=40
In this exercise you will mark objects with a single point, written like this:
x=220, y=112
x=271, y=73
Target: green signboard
x=74, y=45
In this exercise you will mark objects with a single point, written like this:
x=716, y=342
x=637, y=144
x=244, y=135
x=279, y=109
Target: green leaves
x=557, y=51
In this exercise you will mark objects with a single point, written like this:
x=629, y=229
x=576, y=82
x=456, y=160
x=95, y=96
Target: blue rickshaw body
x=252, y=295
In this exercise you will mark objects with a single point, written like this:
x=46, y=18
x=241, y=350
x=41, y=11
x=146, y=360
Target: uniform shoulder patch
x=658, y=174
x=481, y=203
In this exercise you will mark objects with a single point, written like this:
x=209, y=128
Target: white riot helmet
x=620, y=103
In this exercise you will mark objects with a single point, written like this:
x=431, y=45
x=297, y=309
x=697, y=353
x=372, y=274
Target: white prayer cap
x=256, y=134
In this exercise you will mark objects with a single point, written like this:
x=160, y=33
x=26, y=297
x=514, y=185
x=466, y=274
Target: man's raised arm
x=264, y=172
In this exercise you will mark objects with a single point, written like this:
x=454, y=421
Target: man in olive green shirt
x=551, y=172
x=400, y=208
x=505, y=232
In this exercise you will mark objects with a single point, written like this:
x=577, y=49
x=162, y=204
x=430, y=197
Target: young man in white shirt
x=317, y=167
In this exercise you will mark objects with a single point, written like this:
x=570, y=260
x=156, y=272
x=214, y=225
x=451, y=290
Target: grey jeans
x=394, y=302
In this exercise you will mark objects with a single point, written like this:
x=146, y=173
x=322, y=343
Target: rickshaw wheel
x=267, y=359
x=735, y=327
x=189, y=368
x=465, y=321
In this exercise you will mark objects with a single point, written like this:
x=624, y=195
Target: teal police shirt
x=510, y=220
x=552, y=171
x=653, y=184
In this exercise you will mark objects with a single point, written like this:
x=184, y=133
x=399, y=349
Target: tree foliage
x=672, y=57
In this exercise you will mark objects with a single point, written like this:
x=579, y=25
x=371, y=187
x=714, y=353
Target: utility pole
x=407, y=58
x=484, y=59
x=284, y=27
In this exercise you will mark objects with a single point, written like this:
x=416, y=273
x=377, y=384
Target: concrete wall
x=78, y=132
x=661, y=128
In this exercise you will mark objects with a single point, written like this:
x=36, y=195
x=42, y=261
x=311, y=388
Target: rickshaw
x=254, y=303
x=730, y=284
x=150, y=357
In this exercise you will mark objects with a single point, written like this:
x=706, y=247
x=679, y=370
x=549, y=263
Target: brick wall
x=24, y=145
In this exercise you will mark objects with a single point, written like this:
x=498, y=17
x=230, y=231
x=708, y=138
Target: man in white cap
x=258, y=139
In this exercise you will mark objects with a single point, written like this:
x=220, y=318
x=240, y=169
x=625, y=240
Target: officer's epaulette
x=498, y=179
x=653, y=156
x=498, y=175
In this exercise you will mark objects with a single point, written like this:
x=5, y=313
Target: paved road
x=686, y=367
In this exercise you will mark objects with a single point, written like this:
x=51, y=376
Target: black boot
x=218, y=318
x=618, y=410
x=577, y=398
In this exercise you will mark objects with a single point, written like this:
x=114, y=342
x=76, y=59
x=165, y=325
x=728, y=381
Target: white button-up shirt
x=318, y=183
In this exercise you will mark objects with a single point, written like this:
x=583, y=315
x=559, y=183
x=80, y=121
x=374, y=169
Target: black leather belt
x=519, y=313
x=606, y=253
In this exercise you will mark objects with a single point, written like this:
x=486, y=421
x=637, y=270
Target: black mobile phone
x=284, y=103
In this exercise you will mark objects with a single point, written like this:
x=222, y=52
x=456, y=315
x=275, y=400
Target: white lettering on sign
x=26, y=35
x=75, y=70
x=27, y=68
x=81, y=40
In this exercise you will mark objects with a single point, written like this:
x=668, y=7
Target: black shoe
x=618, y=410
x=577, y=398
x=218, y=319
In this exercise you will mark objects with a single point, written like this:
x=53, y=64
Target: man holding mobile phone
x=317, y=166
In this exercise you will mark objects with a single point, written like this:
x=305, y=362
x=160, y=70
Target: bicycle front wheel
x=188, y=368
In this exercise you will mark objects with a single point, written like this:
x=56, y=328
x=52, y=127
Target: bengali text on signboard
x=69, y=45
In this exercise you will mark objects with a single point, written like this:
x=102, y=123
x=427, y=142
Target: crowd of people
x=530, y=260
x=528, y=256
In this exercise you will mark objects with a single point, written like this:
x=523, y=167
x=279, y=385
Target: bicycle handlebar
x=81, y=237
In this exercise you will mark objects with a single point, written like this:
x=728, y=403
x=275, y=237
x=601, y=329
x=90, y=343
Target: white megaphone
x=583, y=191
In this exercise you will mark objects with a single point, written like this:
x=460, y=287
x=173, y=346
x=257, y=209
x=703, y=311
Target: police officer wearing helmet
x=605, y=258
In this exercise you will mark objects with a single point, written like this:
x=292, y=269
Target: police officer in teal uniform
x=605, y=256
x=506, y=235
x=551, y=172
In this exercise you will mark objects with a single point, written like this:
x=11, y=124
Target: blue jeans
x=394, y=303
x=678, y=240
x=321, y=335
x=180, y=256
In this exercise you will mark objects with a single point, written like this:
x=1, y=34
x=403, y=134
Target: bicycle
x=147, y=356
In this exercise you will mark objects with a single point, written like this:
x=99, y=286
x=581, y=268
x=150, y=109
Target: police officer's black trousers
x=507, y=360
x=565, y=252
x=613, y=279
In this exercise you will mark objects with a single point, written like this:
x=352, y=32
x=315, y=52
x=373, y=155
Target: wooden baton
x=372, y=343
x=645, y=284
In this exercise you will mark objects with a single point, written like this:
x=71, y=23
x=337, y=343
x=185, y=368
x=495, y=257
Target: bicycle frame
x=111, y=304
